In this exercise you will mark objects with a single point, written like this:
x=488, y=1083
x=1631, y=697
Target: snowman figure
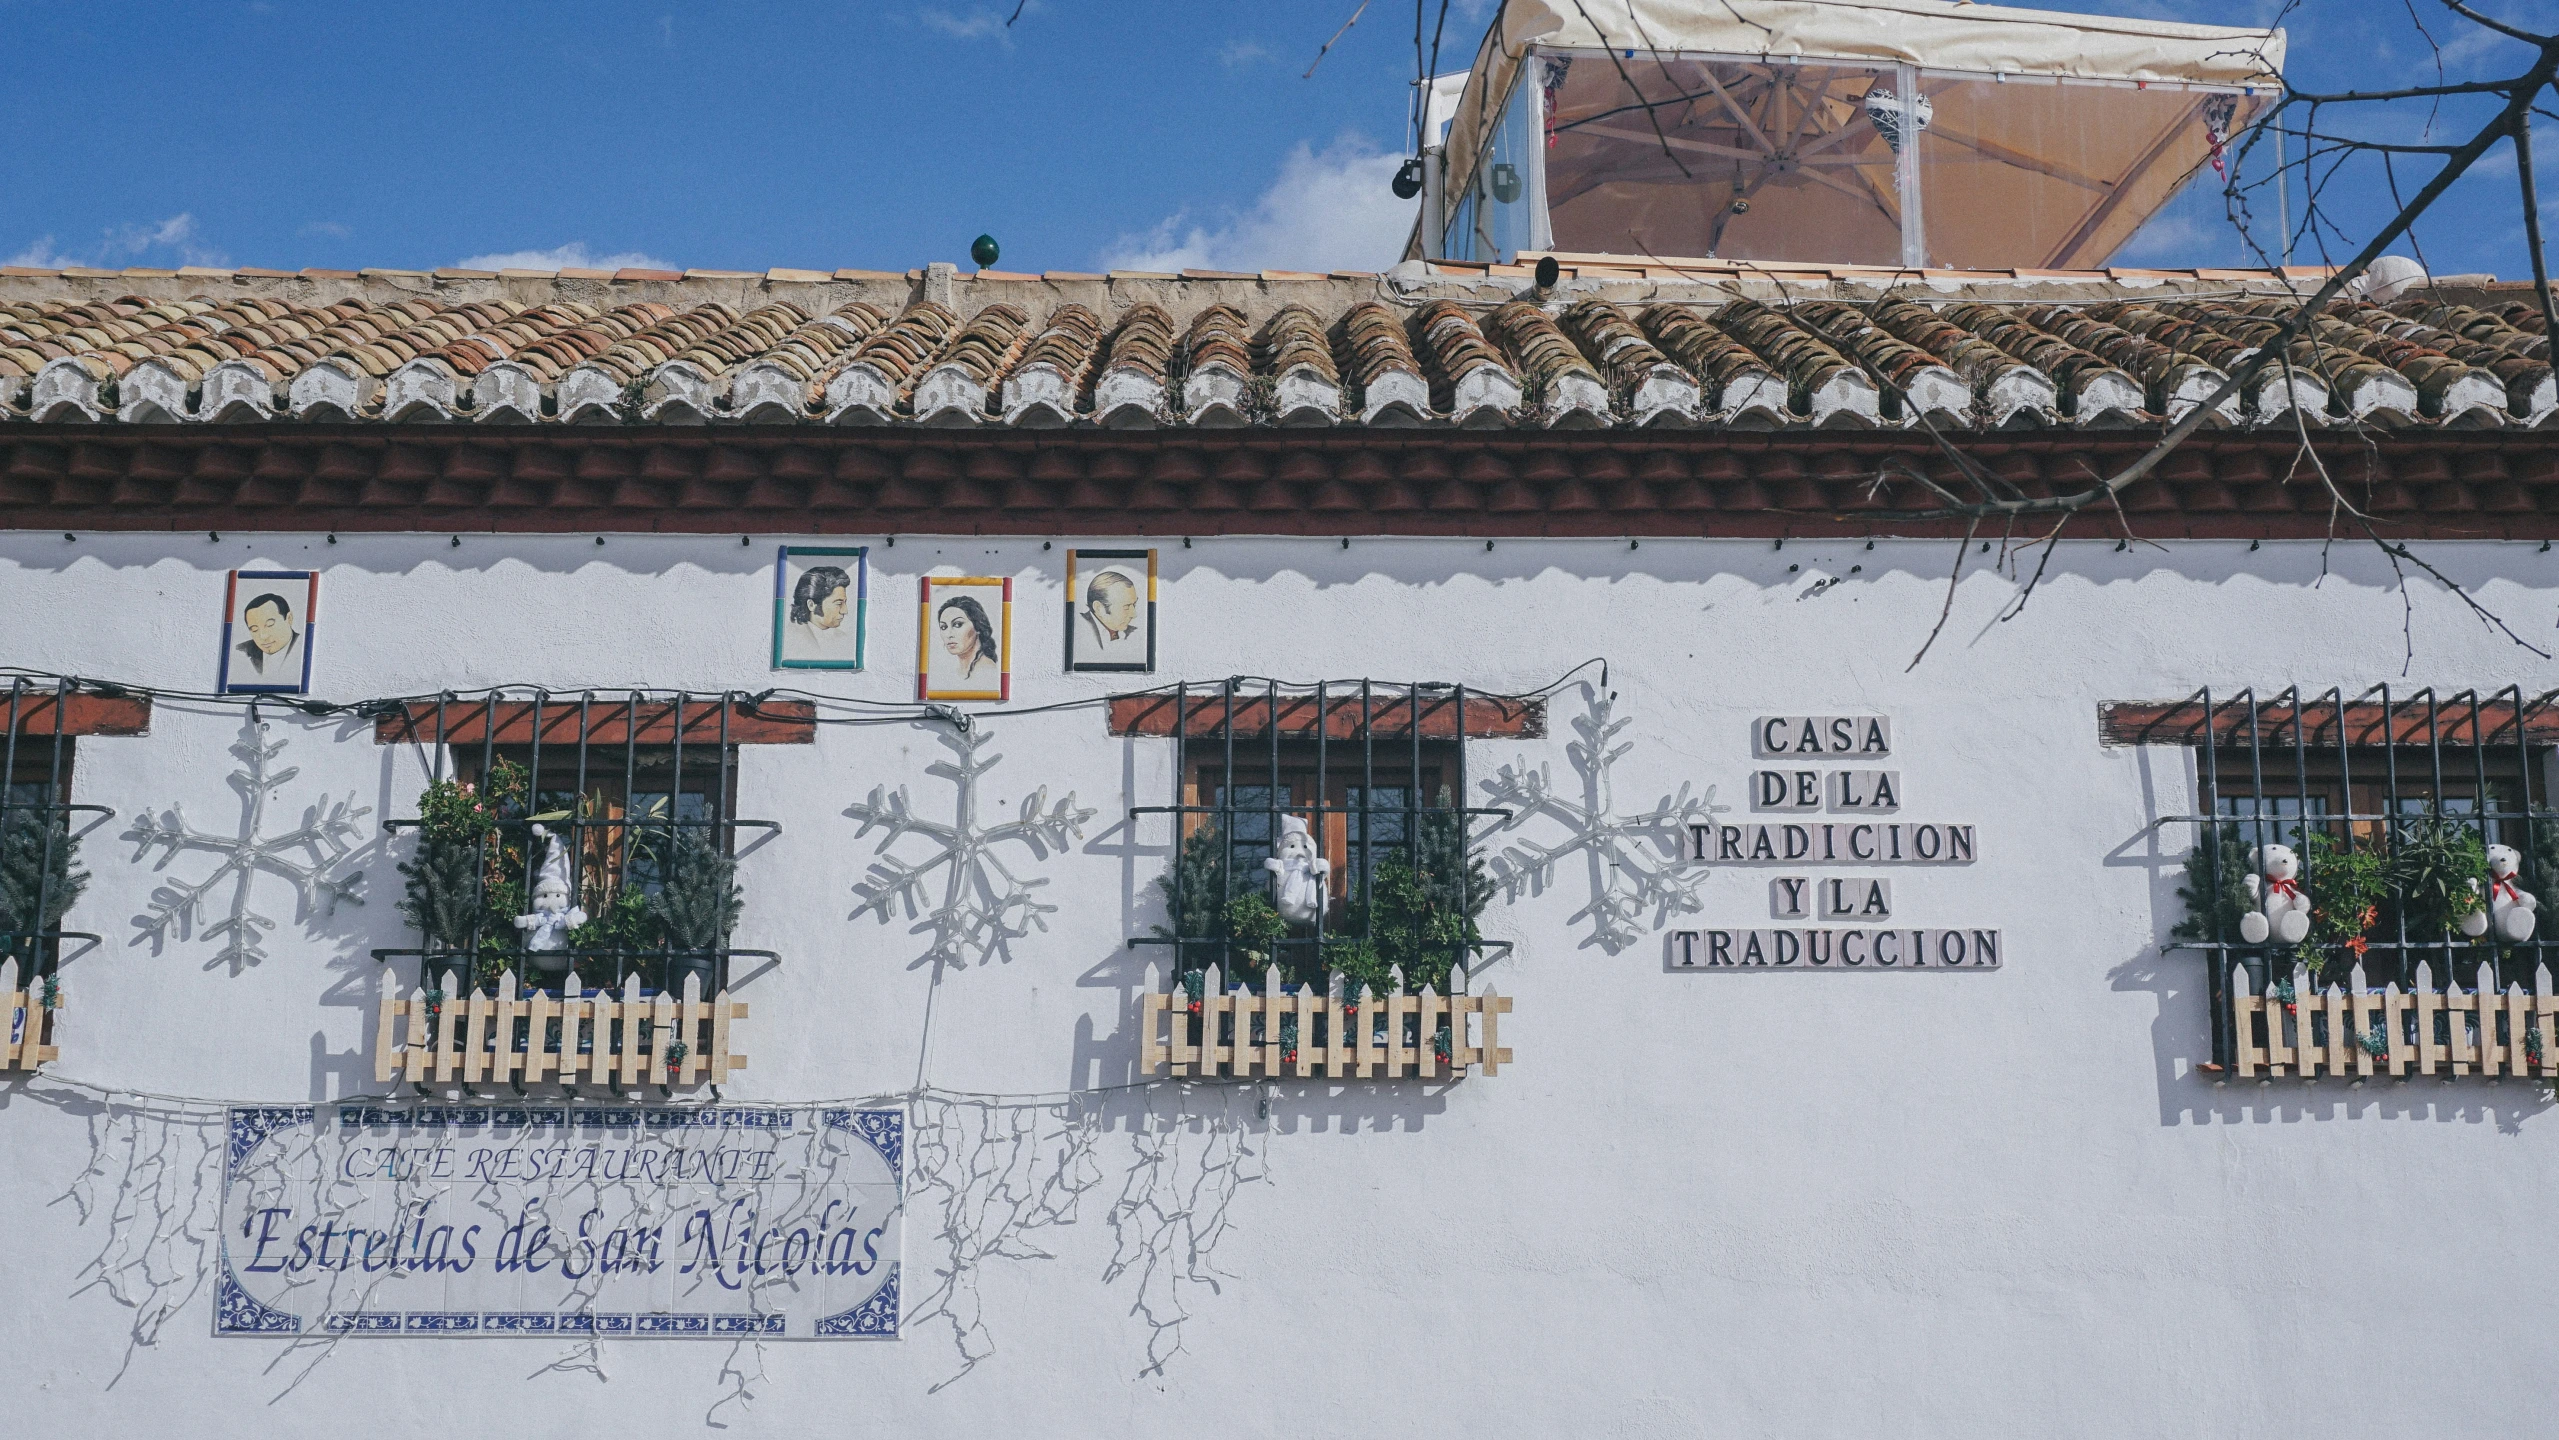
x=2510, y=907
x=553, y=917
x=1297, y=873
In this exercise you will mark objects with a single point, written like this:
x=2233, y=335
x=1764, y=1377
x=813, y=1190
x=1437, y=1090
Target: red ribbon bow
x=2505, y=887
x=2276, y=887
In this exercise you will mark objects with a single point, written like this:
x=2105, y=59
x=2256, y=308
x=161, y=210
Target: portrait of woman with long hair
x=967, y=629
x=968, y=637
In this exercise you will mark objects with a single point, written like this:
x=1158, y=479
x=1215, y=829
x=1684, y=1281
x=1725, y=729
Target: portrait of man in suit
x=266, y=636
x=1110, y=610
x=1110, y=617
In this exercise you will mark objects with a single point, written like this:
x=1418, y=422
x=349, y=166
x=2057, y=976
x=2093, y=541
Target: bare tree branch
x=2500, y=26
x=1337, y=35
x=2532, y=226
x=1949, y=607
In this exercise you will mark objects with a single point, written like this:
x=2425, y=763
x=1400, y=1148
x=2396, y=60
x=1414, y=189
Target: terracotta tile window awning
x=51, y=712
x=2420, y=720
x=601, y=719
x=1342, y=714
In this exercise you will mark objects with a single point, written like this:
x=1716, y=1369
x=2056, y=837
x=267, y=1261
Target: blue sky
x=880, y=135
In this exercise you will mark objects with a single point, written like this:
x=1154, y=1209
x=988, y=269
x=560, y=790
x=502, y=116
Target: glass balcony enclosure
x=1873, y=158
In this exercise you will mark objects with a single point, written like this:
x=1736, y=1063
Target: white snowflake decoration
x=983, y=906
x=320, y=842
x=1637, y=863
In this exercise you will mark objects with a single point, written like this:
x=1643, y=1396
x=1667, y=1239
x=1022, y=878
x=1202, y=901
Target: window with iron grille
x=639, y=792
x=40, y=834
x=2390, y=800
x=1375, y=777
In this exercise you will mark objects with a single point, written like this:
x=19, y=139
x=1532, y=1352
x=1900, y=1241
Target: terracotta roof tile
x=1476, y=346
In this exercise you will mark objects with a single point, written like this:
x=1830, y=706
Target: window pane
x=2057, y=175
x=2461, y=806
x=1248, y=829
x=1753, y=160
x=2281, y=823
x=1496, y=218
x=649, y=846
x=1380, y=825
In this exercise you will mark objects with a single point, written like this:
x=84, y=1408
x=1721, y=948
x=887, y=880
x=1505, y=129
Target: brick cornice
x=855, y=481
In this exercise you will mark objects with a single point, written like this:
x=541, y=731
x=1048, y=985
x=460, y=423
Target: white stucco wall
x=1761, y=1203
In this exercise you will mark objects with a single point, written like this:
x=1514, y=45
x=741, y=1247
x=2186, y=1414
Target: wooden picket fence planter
x=576, y=1039
x=2321, y=1031
x=1232, y=1046
x=28, y=1040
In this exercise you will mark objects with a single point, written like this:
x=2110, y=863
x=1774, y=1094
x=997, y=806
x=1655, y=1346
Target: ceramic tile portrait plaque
x=965, y=639
x=1110, y=610
x=268, y=620
x=821, y=607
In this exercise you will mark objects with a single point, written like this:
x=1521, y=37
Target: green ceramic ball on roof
x=984, y=251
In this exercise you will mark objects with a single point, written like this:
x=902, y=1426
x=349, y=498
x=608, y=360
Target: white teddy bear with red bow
x=2510, y=906
x=2283, y=907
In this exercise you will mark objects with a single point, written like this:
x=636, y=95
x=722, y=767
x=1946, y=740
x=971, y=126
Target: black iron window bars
x=639, y=791
x=37, y=843
x=2388, y=799
x=1376, y=774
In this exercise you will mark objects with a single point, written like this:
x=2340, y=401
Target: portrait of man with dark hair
x=266, y=636
x=274, y=645
x=818, y=608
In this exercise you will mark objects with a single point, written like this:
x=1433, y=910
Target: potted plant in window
x=37, y=888
x=2436, y=862
x=460, y=889
x=2352, y=882
x=696, y=909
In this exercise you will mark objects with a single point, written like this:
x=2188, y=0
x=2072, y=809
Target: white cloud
x=41, y=255
x=1329, y=209
x=978, y=24
x=330, y=228
x=572, y=256
x=1243, y=52
x=2170, y=238
x=174, y=238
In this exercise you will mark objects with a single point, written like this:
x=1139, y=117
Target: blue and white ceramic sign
x=555, y=1221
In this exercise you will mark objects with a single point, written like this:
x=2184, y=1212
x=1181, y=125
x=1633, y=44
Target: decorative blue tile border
x=358, y=1322
x=441, y=1322
x=237, y=1312
x=885, y=1129
x=252, y=1124
x=549, y=1324
x=873, y=1319
x=524, y=1322
x=619, y=1117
